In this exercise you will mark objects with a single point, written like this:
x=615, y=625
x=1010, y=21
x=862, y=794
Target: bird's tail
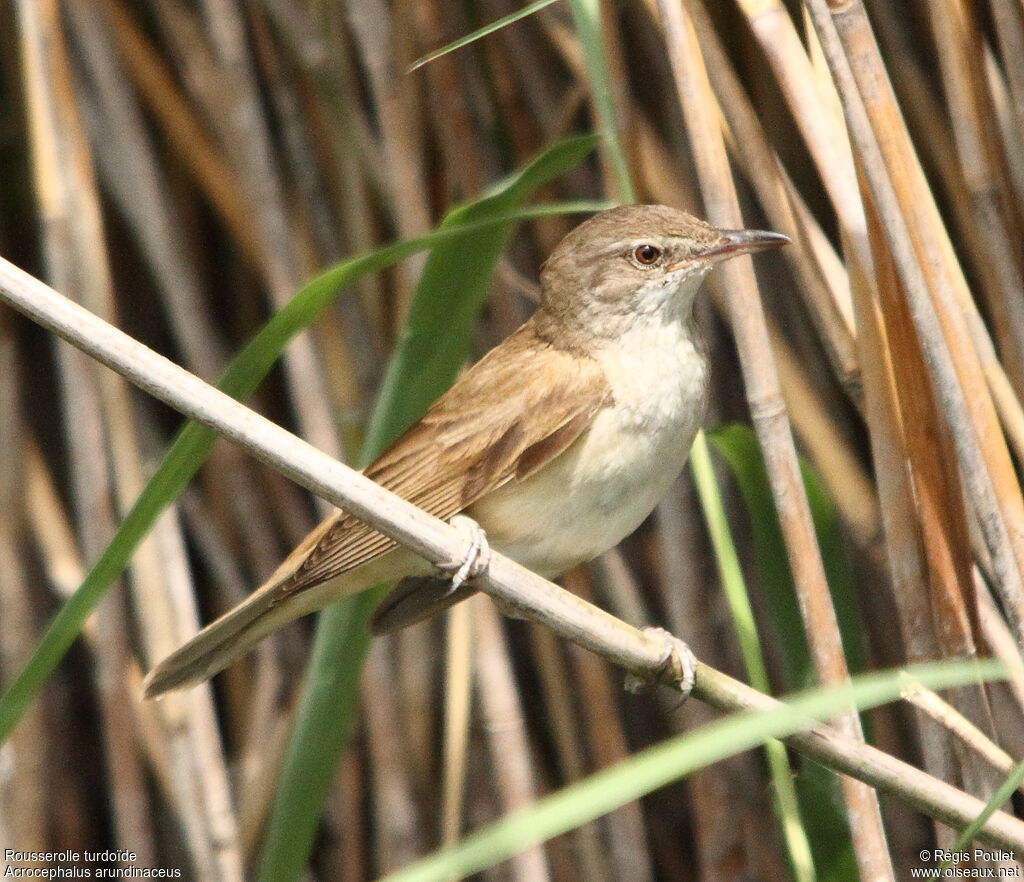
x=269, y=607
x=217, y=645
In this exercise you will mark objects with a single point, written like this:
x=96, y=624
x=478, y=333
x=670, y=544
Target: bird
x=551, y=449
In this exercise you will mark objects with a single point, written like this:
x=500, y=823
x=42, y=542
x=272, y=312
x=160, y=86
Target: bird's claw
x=678, y=667
x=475, y=557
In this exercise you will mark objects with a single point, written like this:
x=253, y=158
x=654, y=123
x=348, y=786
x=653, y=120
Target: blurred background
x=183, y=168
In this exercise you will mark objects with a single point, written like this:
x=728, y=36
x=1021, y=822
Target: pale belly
x=601, y=489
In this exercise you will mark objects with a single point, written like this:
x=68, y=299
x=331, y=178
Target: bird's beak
x=733, y=242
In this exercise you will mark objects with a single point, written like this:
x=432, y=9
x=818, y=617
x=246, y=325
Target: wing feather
x=515, y=410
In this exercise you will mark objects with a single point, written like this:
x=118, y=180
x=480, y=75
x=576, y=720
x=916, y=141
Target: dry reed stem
x=1004, y=93
x=1009, y=26
x=375, y=37
x=149, y=726
x=345, y=820
x=246, y=131
x=356, y=325
x=316, y=238
x=76, y=252
x=566, y=732
x=768, y=413
x=823, y=132
x=889, y=455
x=130, y=170
x=948, y=562
x=628, y=840
x=417, y=657
x=682, y=544
x=205, y=83
x=828, y=303
x=50, y=525
x=255, y=211
x=259, y=707
x=545, y=100
x=883, y=148
x=518, y=126
x=399, y=835
x=502, y=714
x=183, y=129
x=960, y=45
x=451, y=120
x=958, y=725
x=941, y=508
x=903, y=539
x=61, y=561
x=949, y=288
x=257, y=783
x=840, y=752
x=103, y=634
x=840, y=470
x=24, y=813
x=617, y=586
x=812, y=100
x=627, y=833
x=458, y=691
x=828, y=143
x=129, y=792
x=624, y=108
x=999, y=639
x=253, y=153
x=341, y=113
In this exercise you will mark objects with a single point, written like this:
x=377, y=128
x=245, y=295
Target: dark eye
x=646, y=254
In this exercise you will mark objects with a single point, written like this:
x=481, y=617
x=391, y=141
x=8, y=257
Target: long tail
x=268, y=608
x=219, y=643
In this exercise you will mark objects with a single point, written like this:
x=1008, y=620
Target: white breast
x=610, y=479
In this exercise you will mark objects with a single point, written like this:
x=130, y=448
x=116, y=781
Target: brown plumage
x=455, y=454
x=559, y=442
x=458, y=451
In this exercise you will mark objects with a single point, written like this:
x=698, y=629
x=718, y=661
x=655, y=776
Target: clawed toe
x=475, y=557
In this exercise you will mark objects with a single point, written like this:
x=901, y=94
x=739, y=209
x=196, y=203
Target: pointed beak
x=733, y=242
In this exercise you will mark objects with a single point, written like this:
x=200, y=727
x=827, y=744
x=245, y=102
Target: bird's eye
x=646, y=254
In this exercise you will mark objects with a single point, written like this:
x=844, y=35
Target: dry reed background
x=182, y=168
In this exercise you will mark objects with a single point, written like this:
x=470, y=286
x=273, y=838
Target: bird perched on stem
x=555, y=445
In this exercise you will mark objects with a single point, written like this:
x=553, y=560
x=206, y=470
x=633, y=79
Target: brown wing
x=515, y=410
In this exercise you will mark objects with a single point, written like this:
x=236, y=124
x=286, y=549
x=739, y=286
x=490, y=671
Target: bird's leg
x=475, y=557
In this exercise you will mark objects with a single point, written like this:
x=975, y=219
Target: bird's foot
x=678, y=666
x=475, y=557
